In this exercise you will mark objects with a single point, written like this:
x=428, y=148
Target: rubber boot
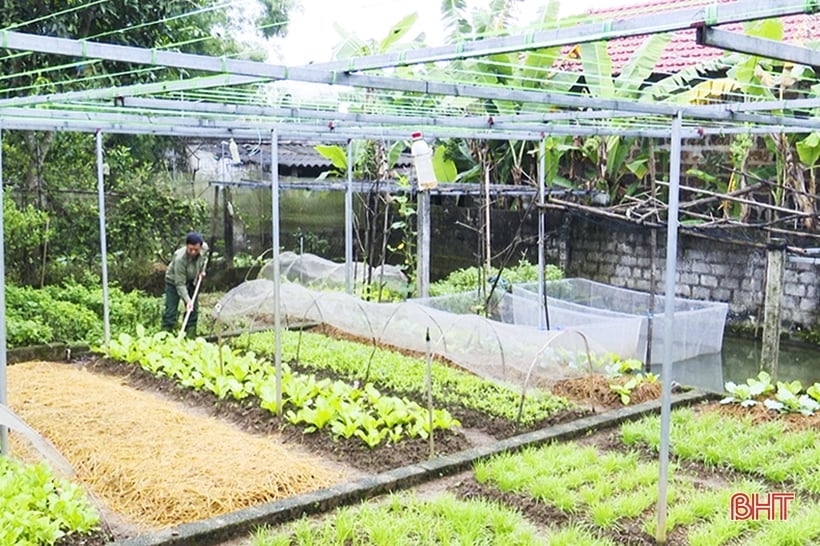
x=190, y=332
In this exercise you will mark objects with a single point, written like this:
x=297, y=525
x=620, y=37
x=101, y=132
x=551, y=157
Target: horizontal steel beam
x=579, y=32
x=760, y=47
x=84, y=49
x=533, y=122
x=207, y=82
x=767, y=105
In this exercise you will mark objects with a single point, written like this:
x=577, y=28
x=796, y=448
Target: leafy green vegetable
x=465, y=280
x=405, y=374
x=345, y=410
x=39, y=509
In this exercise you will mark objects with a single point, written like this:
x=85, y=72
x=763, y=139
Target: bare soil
x=591, y=392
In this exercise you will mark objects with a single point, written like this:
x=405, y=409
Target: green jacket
x=183, y=270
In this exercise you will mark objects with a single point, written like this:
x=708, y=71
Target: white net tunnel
x=607, y=333
x=320, y=273
x=698, y=324
x=492, y=349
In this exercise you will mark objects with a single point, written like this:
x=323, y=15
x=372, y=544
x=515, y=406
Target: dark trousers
x=169, y=316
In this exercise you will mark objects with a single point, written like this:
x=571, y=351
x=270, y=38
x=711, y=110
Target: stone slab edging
x=47, y=351
x=233, y=525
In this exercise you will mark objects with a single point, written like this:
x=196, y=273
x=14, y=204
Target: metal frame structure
x=166, y=108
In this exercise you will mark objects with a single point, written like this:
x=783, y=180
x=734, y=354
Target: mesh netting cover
x=698, y=324
x=492, y=349
x=317, y=272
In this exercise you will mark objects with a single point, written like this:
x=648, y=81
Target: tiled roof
x=290, y=154
x=682, y=51
x=298, y=155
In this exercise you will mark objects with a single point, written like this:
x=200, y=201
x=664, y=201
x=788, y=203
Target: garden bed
x=601, y=490
x=120, y=469
x=148, y=462
x=482, y=425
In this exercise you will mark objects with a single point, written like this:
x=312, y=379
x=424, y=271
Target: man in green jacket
x=187, y=265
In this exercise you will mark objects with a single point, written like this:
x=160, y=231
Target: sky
x=311, y=36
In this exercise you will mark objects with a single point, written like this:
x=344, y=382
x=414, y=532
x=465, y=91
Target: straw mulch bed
x=594, y=390
x=148, y=460
x=761, y=414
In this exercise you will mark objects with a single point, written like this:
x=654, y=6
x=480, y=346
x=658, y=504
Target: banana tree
x=750, y=78
x=615, y=156
x=808, y=150
x=767, y=80
x=373, y=160
x=513, y=161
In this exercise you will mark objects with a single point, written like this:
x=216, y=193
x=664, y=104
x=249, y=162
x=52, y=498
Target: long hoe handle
x=188, y=311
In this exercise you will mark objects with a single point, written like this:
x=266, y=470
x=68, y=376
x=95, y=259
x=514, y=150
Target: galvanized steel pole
x=4, y=432
x=277, y=319
x=349, y=221
x=668, y=323
x=542, y=289
x=103, y=241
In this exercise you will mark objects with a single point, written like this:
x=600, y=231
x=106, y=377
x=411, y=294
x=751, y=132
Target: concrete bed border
x=234, y=525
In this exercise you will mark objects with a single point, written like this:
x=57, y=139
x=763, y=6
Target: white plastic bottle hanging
x=423, y=162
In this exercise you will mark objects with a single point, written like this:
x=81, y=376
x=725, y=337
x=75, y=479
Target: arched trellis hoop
x=538, y=356
x=485, y=324
x=424, y=310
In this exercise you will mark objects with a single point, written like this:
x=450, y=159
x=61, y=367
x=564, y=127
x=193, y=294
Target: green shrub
x=127, y=309
x=22, y=332
x=73, y=313
x=464, y=280
x=25, y=230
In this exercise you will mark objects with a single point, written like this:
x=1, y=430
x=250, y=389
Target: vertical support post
x=277, y=318
x=775, y=272
x=542, y=233
x=653, y=251
x=423, y=244
x=228, y=218
x=488, y=247
x=214, y=217
x=429, y=387
x=103, y=240
x=4, y=432
x=669, y=326
x=349, y=221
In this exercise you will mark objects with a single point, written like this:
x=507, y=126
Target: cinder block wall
x=706, y=270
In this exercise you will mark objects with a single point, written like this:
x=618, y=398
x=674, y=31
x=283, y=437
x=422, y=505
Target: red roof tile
x=682, y=51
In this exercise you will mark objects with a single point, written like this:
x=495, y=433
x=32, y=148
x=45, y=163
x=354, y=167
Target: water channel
x=740, y=360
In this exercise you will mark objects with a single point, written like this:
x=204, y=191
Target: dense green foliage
x=39, y=509
x=467, y=279
x=25, y=229
x=334, y=406
x=406, y=519
x=614, y=489
x=73, y=313
x=767, y=449
x=60, y=240
x=194, y=26
x=56, y=172
x=405, y=374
